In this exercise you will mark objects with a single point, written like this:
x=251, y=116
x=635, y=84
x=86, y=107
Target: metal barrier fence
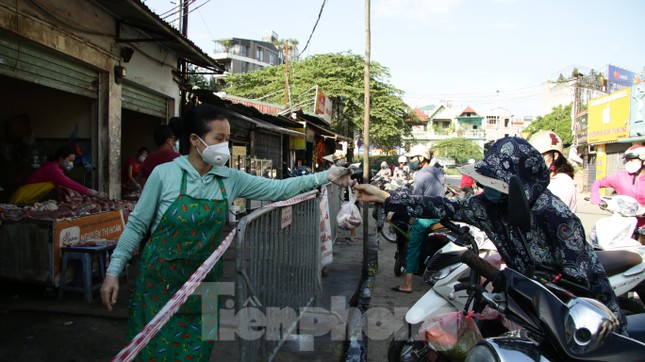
x=335, y=194
x=278, y=268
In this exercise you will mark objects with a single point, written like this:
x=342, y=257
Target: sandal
x=398, y=289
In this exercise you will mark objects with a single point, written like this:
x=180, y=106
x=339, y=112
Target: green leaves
x=459, y=148
x=558, y=121
x=341, y=77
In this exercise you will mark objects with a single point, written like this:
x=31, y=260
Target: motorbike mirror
x=517, y=202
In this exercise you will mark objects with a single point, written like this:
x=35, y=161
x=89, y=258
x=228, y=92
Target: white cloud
x=505, y=23
x=436, y=10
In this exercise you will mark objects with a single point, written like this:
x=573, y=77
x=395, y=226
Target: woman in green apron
x=185, y=204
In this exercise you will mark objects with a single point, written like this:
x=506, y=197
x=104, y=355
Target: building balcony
x=431, y=135
x=475, y=134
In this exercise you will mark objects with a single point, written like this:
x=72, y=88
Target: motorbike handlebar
x=463, y=234
x=453, y=227
x=481, y=266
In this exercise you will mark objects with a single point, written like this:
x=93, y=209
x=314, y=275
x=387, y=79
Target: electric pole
x=183, y=64
x=576, y=110
x=287, y=90
x=366, y=135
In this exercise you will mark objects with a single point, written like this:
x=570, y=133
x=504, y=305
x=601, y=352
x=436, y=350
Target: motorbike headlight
x=587, y=324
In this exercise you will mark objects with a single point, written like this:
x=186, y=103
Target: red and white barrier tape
x=292, y=201
x=129, y=352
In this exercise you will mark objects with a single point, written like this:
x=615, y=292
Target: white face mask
x=68, y=165
x=142, y=158
x=633, y=166
x=215, y=155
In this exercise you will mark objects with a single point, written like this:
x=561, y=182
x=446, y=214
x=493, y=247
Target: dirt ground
x=37, y=326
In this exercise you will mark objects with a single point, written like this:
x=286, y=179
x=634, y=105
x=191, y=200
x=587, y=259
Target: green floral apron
x=189, y=231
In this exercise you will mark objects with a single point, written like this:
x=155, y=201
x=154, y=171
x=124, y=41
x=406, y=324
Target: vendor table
x=30, y=249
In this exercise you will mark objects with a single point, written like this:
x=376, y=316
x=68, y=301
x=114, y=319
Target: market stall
x=31, y=237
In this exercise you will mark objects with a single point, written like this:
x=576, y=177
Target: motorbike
x=382, y=225
x=387, y=225
x=453, y=192
x=619, y=229
x=449, y=293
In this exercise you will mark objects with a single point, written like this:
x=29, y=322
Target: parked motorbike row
x=548, y=322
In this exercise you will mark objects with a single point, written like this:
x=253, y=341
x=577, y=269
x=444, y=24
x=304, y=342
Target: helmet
x=637, y=151
x=403, y=159
x=545, y=141
x=419, y=150
x=383, y=164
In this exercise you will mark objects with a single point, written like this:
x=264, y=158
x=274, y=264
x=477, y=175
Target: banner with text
x=609, y=117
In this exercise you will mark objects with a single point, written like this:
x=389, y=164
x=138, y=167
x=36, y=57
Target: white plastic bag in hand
x=349, y=216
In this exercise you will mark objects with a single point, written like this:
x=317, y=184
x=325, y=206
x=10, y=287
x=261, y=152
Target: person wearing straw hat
x=335, y=159
x=556, y=240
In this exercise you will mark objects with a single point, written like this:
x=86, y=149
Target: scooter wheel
x=388, y=232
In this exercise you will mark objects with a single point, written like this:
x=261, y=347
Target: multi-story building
x=438, y=122
x=246, y=55
x=499, y=122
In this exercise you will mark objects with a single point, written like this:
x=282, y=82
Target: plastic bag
x=452, y=334
x=349, y=216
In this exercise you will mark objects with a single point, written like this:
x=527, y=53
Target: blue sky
x=464, y=51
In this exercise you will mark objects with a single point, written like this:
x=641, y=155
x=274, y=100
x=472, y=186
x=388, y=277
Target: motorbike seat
x=636, y=326
x=618, y=261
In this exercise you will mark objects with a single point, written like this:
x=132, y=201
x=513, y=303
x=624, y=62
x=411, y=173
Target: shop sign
x=609, y=117
x=580, y=127
x=298, y=142
x=323, y=105
x=618, y=78
x=637, y=111
x=107, y=225
x=238, y=158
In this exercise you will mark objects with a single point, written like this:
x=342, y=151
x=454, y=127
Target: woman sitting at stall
x=42, y=181
x=131, y=170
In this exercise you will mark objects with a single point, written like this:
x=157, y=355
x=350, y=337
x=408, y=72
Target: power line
x=314, y=29
x=206, y=25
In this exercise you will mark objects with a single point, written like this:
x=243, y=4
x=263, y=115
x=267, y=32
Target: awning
x=325, y=133
x=631, y=139
x=265, y=125
x=136, y=14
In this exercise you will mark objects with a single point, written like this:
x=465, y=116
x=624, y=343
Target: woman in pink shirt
x=629, y=182
x=51, y=175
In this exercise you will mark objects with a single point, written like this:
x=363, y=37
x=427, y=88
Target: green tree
x=196, y=78
x=459, y=149
x=558, y=121
x=340, y=76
